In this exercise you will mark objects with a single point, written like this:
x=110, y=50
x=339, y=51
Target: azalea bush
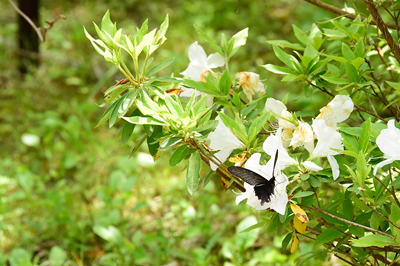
x=331, y=174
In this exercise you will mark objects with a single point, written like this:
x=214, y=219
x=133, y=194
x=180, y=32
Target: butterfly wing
x=263, y=188
x=247, y=175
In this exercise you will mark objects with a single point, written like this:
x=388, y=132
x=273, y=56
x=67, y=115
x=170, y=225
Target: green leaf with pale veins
x=193, y=172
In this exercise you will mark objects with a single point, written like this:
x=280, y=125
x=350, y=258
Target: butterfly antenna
x=276, y=159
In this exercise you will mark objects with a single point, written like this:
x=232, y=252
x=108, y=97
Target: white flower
x=279, y=109
x=273, y=143
x=312, y=166
x=275, y=106
x=224, y=140
x=251, y=83
x=200, y=64
x=303, y=135
x=337, y=110
x=388, y=142
x=279, y=198
x=327, y=138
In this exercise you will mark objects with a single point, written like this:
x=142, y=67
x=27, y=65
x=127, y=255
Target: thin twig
x=347, y=221
x=341, y=12
x=41, y=32
x=383, y=28
x=392, y=192
x=380, y=214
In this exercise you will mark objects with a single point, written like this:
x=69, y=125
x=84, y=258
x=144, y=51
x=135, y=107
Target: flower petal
x=215, y=60
x=312, y=166
x=334, y=165
x=275, y=106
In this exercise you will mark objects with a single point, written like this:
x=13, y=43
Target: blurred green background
x=70, y=194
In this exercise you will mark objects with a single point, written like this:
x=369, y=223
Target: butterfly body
x=263, y=188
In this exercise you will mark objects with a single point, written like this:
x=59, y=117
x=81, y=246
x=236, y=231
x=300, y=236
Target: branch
x=338, y=11
x=347, y=221
x=41, y=32
x=383, y=28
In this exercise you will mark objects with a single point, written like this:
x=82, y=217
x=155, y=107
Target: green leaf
x=163, y=28
x=348, y=209
x=57, y=256
x=347, y=52
x=137, y=146
x=314, y=181
x=351, y=71
x=394, y=85
x=336, y=58
x=335, y=34
x=110, y=234
x=341, y=27
x=114, y=112
x=173, y=106
x=300, y=35
x=287, y=59
x=361, y=168
x=200, y=86
x=193, y=172
x=364, y=137
x=225, y=83
x=159, y=67
x=285, y=44
x=358, y=62
x=153, y=147
x=147, y=40
x=178, y=155
x=254, y=226
x=335, y=80
x=279, y=70
x=395, y=218
x=169, y=143
x=106, y=23
x=20, y=257
x=230, y=123
x=359, y=50
x=258, y=124
x=286, y=240
x=207, y=39
x=128, y=128
x=327, y=236
x=237, y=40
x=373, y=240
x=140, y=120
x=302, y=194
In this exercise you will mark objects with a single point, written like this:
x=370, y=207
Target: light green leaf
x=193, y=172
x=159, y=67
x=110, y=234
x=239, y=39
x=302, y=194
x=303, y=38
x=146, y=41
x=169, y=143
x=207, y=39
x=57, y=256
x=138, y=120
x=285, y=44
x=347, y=52
x=373, y=240
x=20, y=257
x=106, y=23
x=279, y=70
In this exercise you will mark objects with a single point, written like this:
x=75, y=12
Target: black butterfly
x=263, y=188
